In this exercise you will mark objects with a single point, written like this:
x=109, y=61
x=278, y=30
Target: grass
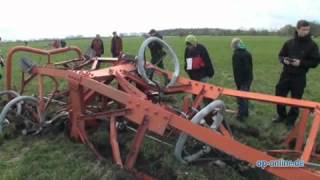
x=56, y=157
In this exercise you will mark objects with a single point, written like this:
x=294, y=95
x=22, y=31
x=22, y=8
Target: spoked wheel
x=147, y=73
x=188, y=150
x=29, y=119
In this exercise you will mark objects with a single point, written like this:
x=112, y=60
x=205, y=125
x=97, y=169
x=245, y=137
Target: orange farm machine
x=101, y=89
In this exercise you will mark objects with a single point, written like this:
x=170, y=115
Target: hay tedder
x=125, y=90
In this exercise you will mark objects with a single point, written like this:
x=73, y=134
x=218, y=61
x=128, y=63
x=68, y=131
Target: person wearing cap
x=97, y=46
x=197, y=60
x=156, y=50
x=297, y=56
x=116, y=45
x=242, y=73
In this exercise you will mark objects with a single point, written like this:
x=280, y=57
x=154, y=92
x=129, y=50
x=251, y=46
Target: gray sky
x=34, y=19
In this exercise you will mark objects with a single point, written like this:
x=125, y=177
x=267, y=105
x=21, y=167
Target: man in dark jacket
x=156, y=50
x=242, y=73
x=297, y=56
x=116, y=45
x=97, y=46
x=63, y=43
x=197, y=60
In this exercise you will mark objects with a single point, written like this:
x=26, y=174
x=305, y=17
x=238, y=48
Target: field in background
x=56, y=157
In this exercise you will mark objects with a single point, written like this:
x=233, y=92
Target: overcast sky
x=34, y=19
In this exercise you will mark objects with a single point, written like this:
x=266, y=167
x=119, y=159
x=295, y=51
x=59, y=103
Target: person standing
x=116, y=45
x=197, y=60
x=56, y=44
x=156, y=50
x=242, y=73
x=297, y=56
x=1, y=61
x=97, y=46
x=63, y=43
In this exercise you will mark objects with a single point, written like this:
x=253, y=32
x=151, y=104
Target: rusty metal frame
x=48, y=53
x=156, y=118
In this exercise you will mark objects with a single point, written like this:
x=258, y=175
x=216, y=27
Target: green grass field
x=56, y=157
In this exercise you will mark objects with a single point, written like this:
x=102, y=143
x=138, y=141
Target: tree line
x=286, y=30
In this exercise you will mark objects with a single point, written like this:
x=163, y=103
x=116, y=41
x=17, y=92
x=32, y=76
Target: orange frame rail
x=155, y=118
x=49, y=53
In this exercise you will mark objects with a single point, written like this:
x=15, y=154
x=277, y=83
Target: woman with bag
x=198, y=64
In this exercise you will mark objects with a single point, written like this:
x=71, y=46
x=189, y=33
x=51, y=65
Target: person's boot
x=278, y=119
x=289, y=126
x=290, y=123
x=240, y=117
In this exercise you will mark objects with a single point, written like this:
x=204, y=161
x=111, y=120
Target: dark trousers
x=115, y=54
x=243, y=104
x=294, y=84
x=157, y=60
